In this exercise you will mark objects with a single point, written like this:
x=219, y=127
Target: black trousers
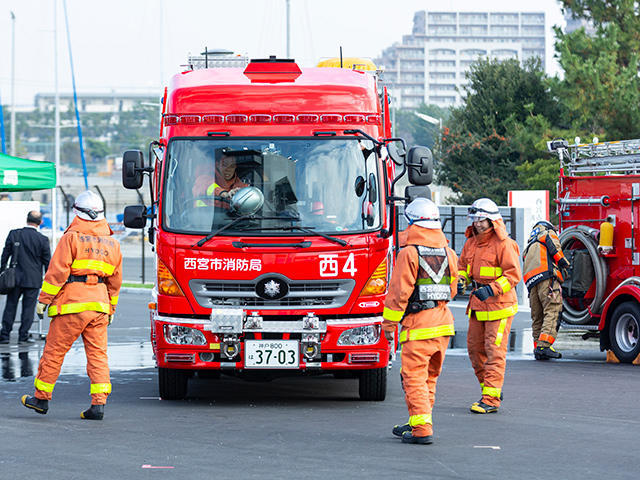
x=29, y=299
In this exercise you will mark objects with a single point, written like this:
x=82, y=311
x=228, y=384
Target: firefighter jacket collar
x=498, y=227
x=416, y=235
x=99, y=229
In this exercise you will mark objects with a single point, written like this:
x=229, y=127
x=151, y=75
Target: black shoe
x=40, y=406
x=476, y=403
x=398, y=430
x=407, y=437
x=482, y=407
x=546, y=353
x=26, y=341
x=96, y=412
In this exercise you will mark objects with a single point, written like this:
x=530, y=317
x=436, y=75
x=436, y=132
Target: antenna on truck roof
x=340, y=56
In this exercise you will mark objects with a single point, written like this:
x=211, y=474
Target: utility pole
x=13, y=84
x=54, y=193
x=288, y=28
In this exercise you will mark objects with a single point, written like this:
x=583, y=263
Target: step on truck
x=598, y=201
x=274, y=223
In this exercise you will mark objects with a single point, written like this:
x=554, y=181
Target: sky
x=134, y=46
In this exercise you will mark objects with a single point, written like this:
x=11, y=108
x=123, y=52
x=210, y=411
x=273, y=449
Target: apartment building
x=429, y=65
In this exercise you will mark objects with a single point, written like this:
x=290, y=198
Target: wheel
x=172, y=384
x=373, y=384
x=624, y=331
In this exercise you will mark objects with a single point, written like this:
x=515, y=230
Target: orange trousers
x=421, y=365
x=63, y=331
x=487, y=343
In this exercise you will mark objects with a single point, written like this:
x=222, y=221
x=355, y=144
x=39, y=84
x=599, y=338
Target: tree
x=480, y=153
x=503, y=91
x=601, y=88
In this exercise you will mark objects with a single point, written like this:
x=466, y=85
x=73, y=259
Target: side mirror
x=135, y=216
x=132, y=164
x=396, y=152
x=373, y=188
x=411, y=192
x=420, y=163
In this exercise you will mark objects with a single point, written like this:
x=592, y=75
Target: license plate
x=271, y=354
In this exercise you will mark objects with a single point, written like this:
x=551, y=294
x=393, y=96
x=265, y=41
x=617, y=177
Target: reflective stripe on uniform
x=78, y=307
x=423, y=419
x=90, y=264
x=427, y=333
x=491, y=391
x=114, y=300
x=500, y=334
x=43, y=386
x=490, y=271
x=100, y=388
x=546, y=338
x=212, y=188
x=504, y=284
x=200, y=203
x=392, y=315
x=427, y=281
x=50, y=289
x=495, y=314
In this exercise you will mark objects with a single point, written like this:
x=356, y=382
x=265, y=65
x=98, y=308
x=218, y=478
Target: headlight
x=183, y=335
x=367, y=335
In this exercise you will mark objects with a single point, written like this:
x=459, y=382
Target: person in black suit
x=33, y=260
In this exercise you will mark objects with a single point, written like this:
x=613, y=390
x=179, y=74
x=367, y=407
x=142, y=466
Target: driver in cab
x=220, y=188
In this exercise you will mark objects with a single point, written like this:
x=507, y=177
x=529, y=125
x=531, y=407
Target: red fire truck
x=599, y=210
x=274, y=223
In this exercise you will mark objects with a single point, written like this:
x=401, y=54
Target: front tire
x=373, y=384
x=624, y=331
x=172, y=384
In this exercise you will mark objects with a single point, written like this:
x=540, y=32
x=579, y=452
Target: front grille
x=302, y=293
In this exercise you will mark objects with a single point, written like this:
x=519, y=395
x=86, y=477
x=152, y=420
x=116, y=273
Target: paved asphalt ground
x=570, y=419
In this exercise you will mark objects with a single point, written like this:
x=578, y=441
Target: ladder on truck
x=604, y=158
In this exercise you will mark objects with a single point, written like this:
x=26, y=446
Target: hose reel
x=588, y=237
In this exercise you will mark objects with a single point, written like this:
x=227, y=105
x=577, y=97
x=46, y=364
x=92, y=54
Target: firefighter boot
x=398, y=430
x=96, y=412
x=40, y=406
x=407, y=437
x=476, y=403
x=546, y=353
x=482, y=407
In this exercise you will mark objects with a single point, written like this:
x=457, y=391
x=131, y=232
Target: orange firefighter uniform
x=81, y=288
x=490, y=258
x=425, y=334
x=543, y=260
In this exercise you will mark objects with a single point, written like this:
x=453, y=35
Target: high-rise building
x=429, y=65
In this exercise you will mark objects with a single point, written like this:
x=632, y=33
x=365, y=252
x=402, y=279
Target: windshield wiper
x=235, y=221
x=310, y=231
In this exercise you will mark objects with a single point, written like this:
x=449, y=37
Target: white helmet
x=424, y=213
x=89, y=206
x=484, y=208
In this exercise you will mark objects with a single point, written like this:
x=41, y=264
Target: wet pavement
x=568, y=419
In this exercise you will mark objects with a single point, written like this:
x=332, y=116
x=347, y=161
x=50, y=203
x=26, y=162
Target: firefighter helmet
x=424, y=213
x=247, y=201
x=539, y=227
x=89, y=206
x=483, y=208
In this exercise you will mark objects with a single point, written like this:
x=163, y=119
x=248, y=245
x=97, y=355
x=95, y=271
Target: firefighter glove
x=483, y=292
x=461, y=286
x=40, y=308
x=565, y=273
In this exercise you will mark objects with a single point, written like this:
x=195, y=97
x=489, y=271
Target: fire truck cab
x=274, y=223
x=599, y=210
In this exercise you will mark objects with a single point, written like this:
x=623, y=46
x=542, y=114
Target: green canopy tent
x=19, y=174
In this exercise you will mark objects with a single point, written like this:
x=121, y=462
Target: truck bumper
x=210, y=354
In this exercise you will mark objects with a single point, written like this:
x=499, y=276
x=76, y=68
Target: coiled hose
x=588, y=237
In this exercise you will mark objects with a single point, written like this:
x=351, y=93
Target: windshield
x=326, y=185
